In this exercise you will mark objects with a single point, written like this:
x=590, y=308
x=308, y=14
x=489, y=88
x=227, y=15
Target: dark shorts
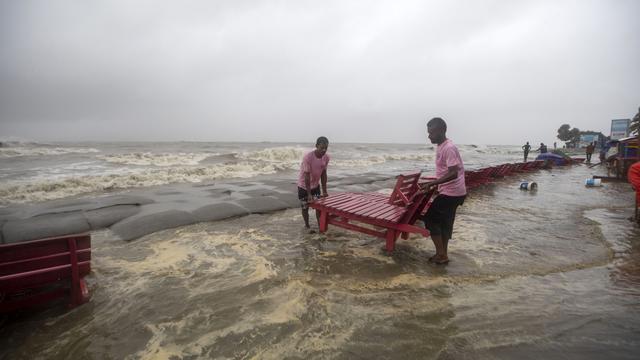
x=302, y=196
x=441, y=215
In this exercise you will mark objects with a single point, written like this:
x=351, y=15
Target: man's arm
x=307, y=183
x=452, y=173
x=323, y=181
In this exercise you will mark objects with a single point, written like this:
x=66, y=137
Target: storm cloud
x=499, y=72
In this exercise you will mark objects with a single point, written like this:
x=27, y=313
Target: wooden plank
x=363, y=206
x=354, y=204
x=333, y=203
x=383, y=212
x=37, y=248
x=357, y=228
x=365, y=209
x=333, y=199
x=375, y=209
x=42, y=262
x=40, y=277
x=395, y=215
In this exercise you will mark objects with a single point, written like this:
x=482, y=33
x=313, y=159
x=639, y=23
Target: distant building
x=619, y=128
x=587, y=137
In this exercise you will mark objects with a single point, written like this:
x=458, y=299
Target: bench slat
x=37, y=248
x=42, y=262
x=39, y=277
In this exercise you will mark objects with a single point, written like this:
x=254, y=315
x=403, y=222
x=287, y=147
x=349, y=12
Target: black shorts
x=441, y=215
x=302, y=196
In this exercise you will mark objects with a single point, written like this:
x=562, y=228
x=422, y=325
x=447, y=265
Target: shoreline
x=261, y=286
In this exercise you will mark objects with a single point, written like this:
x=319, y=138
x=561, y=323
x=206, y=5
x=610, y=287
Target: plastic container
x=593, y=182
x=526, y=185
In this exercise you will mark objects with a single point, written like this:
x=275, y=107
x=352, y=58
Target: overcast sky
x=499, y=72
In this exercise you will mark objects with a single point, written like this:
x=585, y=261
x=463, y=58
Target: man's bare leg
x=441, y=253
x=305, y=216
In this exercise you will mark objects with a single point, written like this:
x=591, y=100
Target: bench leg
x=391, y=241
x=324, y=221
x=79, y=290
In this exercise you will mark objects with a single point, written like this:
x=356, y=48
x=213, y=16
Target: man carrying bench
x=313, y=172
x=451, y=190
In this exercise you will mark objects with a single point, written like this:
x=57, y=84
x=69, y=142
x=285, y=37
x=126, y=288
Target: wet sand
x=551, y=274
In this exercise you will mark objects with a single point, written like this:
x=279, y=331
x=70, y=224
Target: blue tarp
x=557, y=159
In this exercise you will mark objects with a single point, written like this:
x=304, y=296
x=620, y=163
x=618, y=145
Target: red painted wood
x=41, y=276
x=25, y=265
x=37, y=248
x=371, y=208
x=33, y=272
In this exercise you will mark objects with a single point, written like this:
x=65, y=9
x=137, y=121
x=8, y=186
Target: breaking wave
x=162, y=159
x=490, y=149
x=285, y=154
x=18, y=150
x=56, y=189
x=381, y=159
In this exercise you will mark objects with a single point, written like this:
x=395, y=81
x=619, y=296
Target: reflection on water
x=554, y=274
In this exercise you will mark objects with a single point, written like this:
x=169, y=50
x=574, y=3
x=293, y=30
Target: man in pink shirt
x=451, y=190
x=313, y=171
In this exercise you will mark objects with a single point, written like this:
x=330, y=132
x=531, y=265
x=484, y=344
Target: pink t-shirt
x=314, y=166
x=447, y=155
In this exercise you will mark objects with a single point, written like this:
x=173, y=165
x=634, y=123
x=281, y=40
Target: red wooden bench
x=39, y=271
x=502, y=170
x=475, y=178
x=391, y=216
x=519, y=167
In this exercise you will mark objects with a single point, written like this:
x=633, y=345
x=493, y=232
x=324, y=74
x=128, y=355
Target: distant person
x=542, y=148
x=313, y=172
x=589, y=151
x=603, y=153
x=555, y=146
x=526, y=147
x=451, y=190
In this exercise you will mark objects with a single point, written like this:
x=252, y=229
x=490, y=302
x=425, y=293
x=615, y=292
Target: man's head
x=527, y=143
x=322, y=144
x=437, y=129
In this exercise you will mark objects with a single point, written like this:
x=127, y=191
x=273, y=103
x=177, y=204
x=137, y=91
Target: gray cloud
x=500, y=72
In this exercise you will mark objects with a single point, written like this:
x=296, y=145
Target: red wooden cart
x=39, y=271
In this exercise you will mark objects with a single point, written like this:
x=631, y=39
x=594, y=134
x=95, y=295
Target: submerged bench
x=390, y=216
x=39, y=271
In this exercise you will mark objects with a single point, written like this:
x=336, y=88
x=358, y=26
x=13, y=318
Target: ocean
x=552, y=274
x=34, y=172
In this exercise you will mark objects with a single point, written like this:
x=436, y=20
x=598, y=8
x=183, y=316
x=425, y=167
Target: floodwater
x=552, y=274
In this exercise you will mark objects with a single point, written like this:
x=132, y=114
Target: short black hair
x=322, y=141
x=437, y=122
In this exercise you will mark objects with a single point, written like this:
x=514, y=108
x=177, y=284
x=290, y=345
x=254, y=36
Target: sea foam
x=56, y=189
x=162, y=159
x=18, y=151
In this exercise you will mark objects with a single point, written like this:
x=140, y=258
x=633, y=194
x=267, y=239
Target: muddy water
x=550, y=274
